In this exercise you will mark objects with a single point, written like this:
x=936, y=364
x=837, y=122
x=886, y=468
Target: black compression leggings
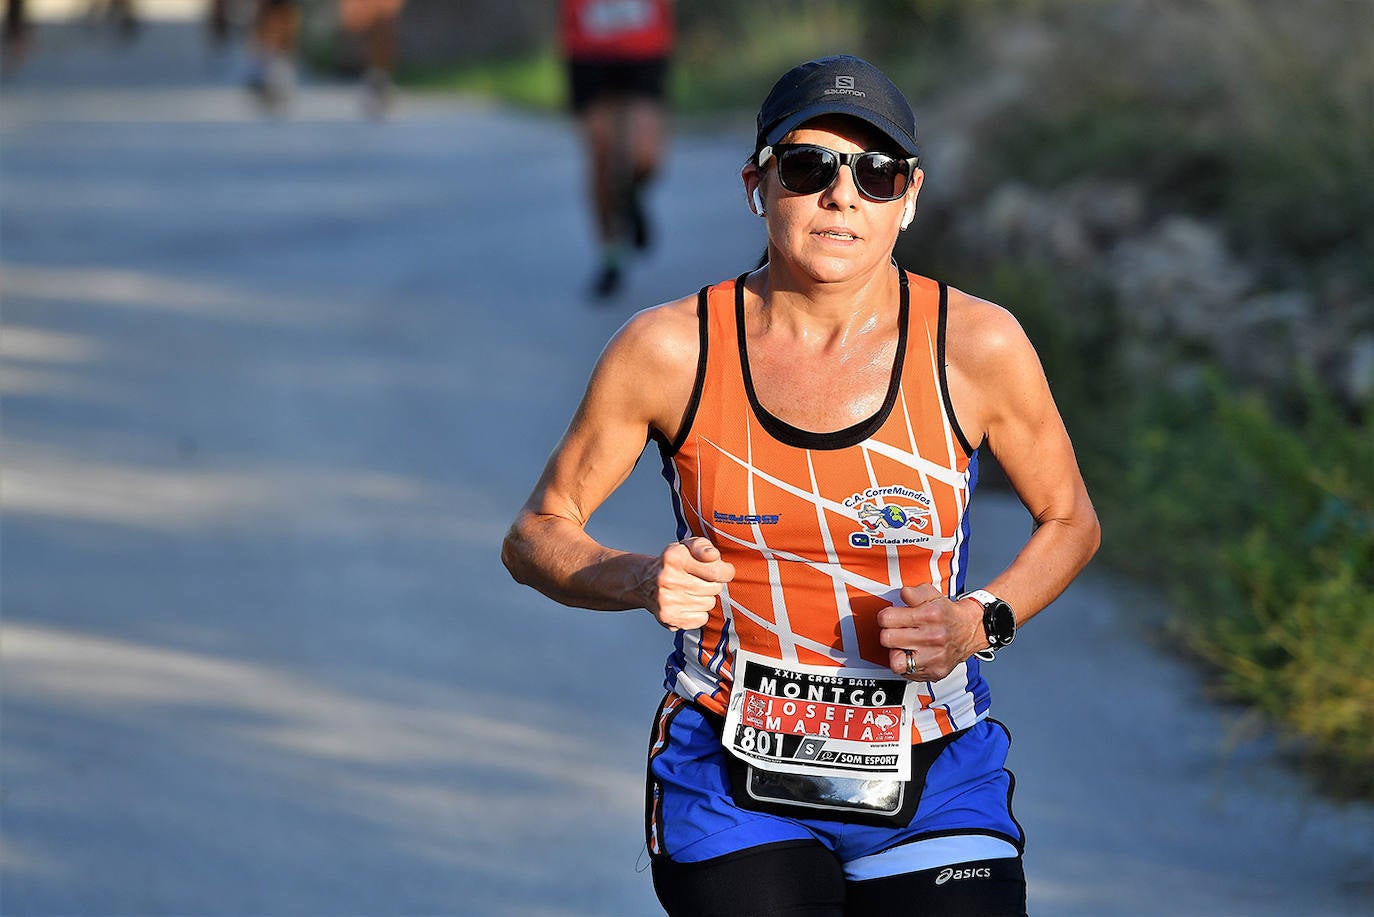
x=803, y=879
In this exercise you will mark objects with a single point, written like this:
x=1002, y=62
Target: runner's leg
x=274, y=32
x=603, y=126
x=788, y=879
x=644, y=153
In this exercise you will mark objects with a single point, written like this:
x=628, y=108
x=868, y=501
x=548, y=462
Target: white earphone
x=758, y=203
x=908, y=213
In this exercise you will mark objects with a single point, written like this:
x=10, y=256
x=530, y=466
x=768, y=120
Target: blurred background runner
x=617, y=54
x=119, y=14
x=14, y=40
x=272, y=77
x=372, y=25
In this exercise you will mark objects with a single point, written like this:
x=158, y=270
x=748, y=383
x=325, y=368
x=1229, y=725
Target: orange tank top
x=824, y=529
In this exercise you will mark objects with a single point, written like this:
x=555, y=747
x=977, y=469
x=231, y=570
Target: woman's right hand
x=687, y=580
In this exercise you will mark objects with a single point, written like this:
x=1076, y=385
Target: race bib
x=818, y=720
x=607, y=18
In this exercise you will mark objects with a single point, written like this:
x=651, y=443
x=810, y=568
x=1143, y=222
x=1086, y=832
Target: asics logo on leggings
x=954, y=875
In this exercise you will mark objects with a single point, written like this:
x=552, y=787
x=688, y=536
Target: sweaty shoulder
x=656, y=353
x=991, y=363
x=980, y=334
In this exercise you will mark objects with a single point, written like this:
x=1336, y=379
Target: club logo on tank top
x=894, y=515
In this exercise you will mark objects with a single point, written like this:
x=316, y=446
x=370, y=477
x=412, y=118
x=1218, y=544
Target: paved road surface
x=273, y=389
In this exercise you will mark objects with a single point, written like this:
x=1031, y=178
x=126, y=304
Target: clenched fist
x=687, y=580
x=939, y=632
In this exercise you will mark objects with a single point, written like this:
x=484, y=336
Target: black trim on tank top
x=1020, y=842
x=838, y=439
x=943, y=363
x=689, y=415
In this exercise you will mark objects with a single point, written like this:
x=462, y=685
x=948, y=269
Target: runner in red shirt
x=617, y=55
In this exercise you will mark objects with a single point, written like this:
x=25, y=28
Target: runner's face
x=836, y=233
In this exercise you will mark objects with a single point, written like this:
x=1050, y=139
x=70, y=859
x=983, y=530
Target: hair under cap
x=839, y=85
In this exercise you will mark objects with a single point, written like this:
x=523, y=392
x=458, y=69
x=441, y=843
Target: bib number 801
x=758, y=741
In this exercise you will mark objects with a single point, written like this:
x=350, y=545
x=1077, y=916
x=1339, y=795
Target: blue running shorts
x=964, y=812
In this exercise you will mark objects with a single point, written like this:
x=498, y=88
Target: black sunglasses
x=804, y=168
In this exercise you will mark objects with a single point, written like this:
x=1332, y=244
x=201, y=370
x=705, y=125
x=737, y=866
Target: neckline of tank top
x=843, y=438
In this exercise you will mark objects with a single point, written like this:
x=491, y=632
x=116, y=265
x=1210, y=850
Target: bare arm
x=642, y=382
x=1023, y=429
x=1000, y=394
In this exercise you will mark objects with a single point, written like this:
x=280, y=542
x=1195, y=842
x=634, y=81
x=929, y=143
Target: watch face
x=1000, y=623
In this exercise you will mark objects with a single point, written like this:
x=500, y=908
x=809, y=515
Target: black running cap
x=839, y=85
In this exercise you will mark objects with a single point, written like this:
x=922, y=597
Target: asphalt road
x=273, y=388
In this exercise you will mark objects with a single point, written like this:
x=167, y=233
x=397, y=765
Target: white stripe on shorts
x=929, y=854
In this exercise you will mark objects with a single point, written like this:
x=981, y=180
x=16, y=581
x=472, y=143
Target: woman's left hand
x=939, y=633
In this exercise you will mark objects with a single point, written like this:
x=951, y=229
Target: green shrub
x=1269, y=127
x=1256, y=519
x=1265, y=531
x=712, y=71
x=535, y=80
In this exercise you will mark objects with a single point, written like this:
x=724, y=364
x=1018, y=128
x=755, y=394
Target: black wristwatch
x=999, y=623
